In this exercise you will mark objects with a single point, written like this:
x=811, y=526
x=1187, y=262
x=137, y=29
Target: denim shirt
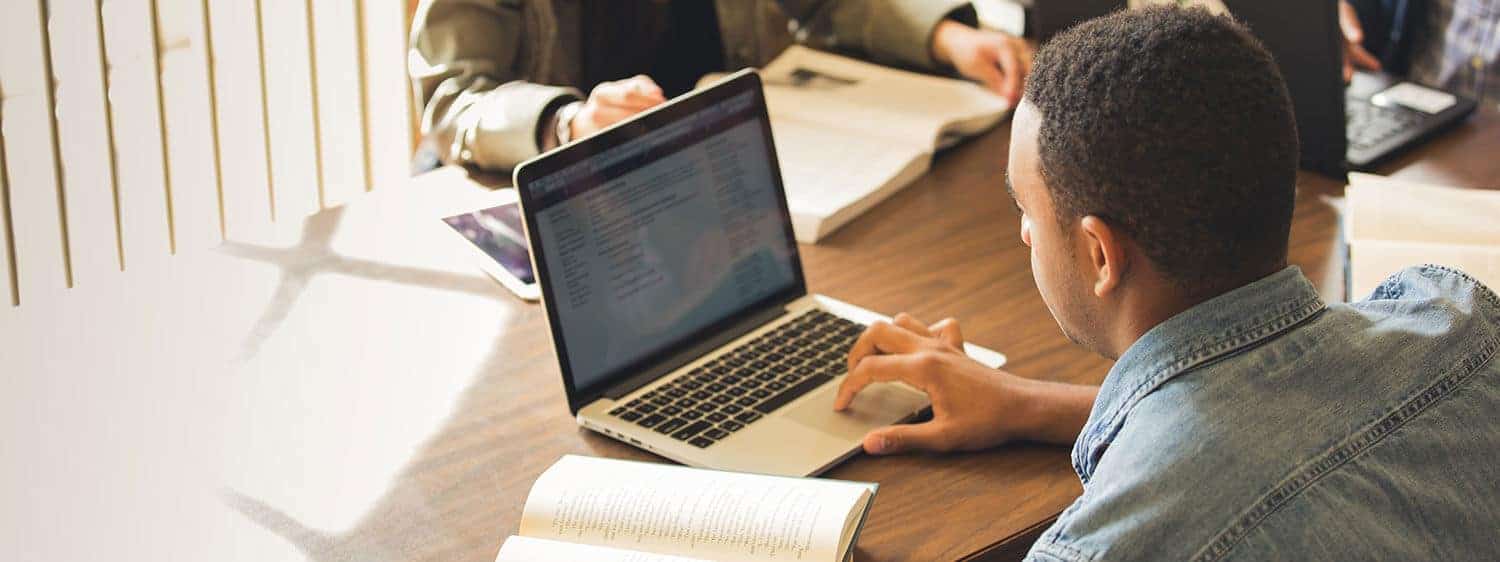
x=1264, y=424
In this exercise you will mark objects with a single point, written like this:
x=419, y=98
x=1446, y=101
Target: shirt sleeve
x=475, y=107
x=893, y=32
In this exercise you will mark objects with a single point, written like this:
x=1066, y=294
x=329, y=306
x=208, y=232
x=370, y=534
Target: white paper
x=1420, y=98
x=526, y=549
x=1385, y=209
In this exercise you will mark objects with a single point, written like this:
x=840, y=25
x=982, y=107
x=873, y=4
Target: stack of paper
x=1390, y=224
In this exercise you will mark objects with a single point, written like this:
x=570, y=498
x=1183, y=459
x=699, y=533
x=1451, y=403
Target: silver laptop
x=675, y=295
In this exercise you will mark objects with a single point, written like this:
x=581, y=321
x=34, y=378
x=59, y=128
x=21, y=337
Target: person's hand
x=1355, y=55
x=612, y=102
x=973, y=406
x=998, y=61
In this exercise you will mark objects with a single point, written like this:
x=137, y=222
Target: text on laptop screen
x=651, y=241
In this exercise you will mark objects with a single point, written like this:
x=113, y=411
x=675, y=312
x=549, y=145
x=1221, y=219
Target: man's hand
x=1355, y=55
x=973, y=406
x=997, y=60
x=612, y=102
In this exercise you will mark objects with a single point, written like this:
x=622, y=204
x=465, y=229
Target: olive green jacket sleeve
x=472, y=64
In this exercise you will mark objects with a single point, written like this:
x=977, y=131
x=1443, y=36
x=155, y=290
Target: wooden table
x=352, y=389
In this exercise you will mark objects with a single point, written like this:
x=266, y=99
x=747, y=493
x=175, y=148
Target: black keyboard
x=723, y=396
x=1369, y=125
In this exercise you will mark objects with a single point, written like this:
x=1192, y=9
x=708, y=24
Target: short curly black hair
x=1174, y=125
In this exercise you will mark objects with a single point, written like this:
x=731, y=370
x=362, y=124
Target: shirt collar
x=1214, y=328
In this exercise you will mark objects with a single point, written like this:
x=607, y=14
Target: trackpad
x=877, y=405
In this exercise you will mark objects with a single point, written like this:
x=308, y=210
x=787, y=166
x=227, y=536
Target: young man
x=1153, y=158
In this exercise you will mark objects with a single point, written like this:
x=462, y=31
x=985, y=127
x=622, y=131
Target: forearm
x=474, y=107
x=1053, y=412
x=895, y=32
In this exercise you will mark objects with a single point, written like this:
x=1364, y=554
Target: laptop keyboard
x=1369, y=125
x=723, y=396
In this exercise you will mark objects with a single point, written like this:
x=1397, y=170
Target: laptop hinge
x=699, y=349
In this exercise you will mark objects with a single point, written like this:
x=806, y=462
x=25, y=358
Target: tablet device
x=498, y=242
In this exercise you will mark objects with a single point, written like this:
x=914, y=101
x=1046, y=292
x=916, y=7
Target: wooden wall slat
x=129, y=45
x=8, y=294
x=337, y=60
x=84, y=141
x=242, y=135
x=387, y=92
x=190, y=123
x=31, y=165
x=294, y=150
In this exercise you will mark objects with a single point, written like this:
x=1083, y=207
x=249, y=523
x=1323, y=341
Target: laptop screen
x=649, y=243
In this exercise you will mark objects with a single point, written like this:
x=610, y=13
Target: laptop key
x=731, y=426
x=691, y=415
x=701, y=395
x=618, y=411
x=646, y=408
x=731, y=409
x=745, y=401
x=760, y=393
x=707, y=407
x=747, y=417
x=670, y=425
x=790, y=394
x=691, y=430
x=715, y=433
x=671, y=410
x=721, y=399
x=630, y=416
x=651, y=420
x=701, y=442
x=775, y=385
x=735, y=391
x=716, y=417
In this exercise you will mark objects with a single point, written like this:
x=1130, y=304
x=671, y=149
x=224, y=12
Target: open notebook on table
x=586, y=508
x=849, y=133
x=1390, y=224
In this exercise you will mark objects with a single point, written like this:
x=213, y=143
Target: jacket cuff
x=905, y=34
x=504, y=132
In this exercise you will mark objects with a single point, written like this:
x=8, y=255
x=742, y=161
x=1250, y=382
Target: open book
x=849, y=133
x=1391, y=224
x=586, y=508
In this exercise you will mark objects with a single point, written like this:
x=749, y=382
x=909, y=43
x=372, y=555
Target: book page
x=1385, y=209
x=690, y=512
x=1372, y=261
x=526, y=549
x=826, y=171
x=875, y=100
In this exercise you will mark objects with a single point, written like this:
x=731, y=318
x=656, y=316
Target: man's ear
x=1104, y=247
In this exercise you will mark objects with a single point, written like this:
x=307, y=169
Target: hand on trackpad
x=876, y=406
